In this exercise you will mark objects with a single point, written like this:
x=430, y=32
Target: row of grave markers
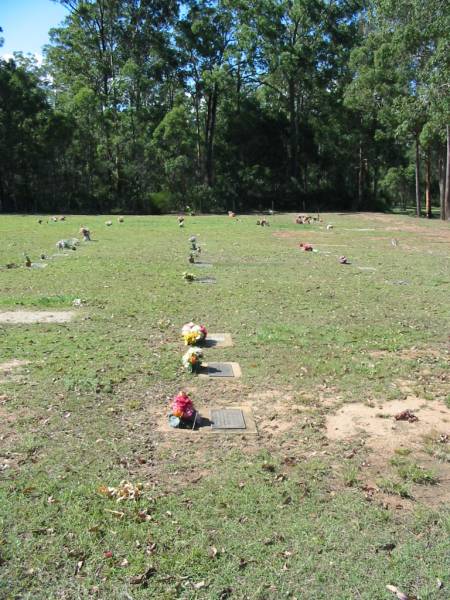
x=235, y=419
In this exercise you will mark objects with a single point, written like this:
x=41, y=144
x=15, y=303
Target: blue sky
x=26, y=23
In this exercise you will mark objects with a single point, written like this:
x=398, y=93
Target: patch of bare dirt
x=15, y=317
x=396, y=224
x=411, y=353
x=7, y=370
x=378, y=422
x=374, y=425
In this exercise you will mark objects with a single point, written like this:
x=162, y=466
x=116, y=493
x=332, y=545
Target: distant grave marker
x=202, y=265
x=218, y=340
x=228, y=418
x=210, y=280
x=220, y=421
x=226, y=370
x=220, y=370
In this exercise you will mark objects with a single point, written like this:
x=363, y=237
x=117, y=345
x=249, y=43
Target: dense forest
x=148, y=106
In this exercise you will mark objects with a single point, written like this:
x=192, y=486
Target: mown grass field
x=287, y=514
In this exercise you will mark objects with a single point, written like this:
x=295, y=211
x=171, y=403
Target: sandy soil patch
x=16, y=317
x=375, y=428
x=7, y=368
x=378, y=422
x=412, y=353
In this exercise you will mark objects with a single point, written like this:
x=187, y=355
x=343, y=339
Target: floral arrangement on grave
x=195, y=248
x=192, y=359
x=183, y=412
x=306, y=247
x=188, y=276
x=193, y=334
x=191, y=257
x=69, y=244
x=85, y=233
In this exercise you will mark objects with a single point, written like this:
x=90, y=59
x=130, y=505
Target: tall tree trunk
x=418, y=196
x=209, y=136
x=441, y=170
x=428, y=187
x=375, y=182
x=293, y=132
x=360, y=177
x=447, y=177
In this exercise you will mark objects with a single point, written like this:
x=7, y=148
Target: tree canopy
x=152, y=105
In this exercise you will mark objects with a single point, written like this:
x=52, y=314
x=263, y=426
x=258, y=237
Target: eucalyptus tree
x=296, y=49
x=206, y=42
x=401, y=75
x=110, y=63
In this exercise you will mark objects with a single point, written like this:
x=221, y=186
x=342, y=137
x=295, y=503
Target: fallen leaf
x=140, y=579
x=387, y=547
x=268, y=467
x=406, y=415
x=116, y=513
x=226, y=593
x=124, y=563
x=108, y=554
x=400, y=595
x=144, y=516
x=212, y=552
x=151, y=548
x=242, y=563
x=199, y=585
x=79, y=566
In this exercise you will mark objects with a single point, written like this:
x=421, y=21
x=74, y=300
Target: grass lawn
x=295, y=512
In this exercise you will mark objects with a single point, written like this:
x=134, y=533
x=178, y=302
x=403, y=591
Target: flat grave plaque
x=220, y=370
x=210, y=280
x=218, y=340
x=227, y=419
x=202, y=265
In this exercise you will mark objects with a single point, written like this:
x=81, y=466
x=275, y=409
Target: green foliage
x=299, y=105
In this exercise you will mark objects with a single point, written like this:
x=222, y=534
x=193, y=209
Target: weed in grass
x=350, y=475
x=411, y=472
x=396, y=488
x=403, y=451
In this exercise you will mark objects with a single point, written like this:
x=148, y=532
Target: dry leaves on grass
x=406, y=415
x=124, y=491
x=144, y=577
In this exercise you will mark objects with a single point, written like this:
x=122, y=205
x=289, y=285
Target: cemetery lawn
x=291, y=513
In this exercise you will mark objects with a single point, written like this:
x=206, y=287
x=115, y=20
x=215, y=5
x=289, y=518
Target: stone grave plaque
x=202, y=265
x=218, y=340
x=220, y=370
x=230, y=418
x=206, y=280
